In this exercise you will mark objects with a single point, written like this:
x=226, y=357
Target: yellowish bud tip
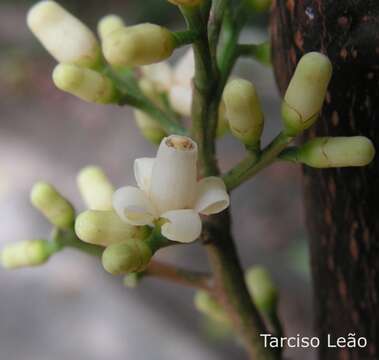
x=243, y=111
x=329, y=152
x=306, y=92
x=95, y=188
x=259, y=5
x=262, y=289
x=208, y=305
x=89, y=85
x=142, y=44
x=186, y=2
x=150, y=129
x=65, y=37
x=126, y=257
x=53, y=205
x=106, y=228
x=108, y=24
x=25, y=254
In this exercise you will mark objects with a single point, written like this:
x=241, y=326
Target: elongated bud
x=108, y=24
x=88, y=85
x=259, y=5
x=329, y=152
x=126, y=257
x=53, y=205
x=243, y=111
x=262, y=289
x=106, y=228
x=142, y=44
x=66, y=38
x=306, y=92
x=25, y=254
x=150, y=129
x=208, y=305
x=186, y=2
x=95, y=188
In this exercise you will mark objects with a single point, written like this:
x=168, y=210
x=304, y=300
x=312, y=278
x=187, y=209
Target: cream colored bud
x=89, y=85
x=95, y=188
x=329, y=152
x=65, y=37
x=262, y=289
x=108, y=24
x=208, y=305
x=149, y=127
x=25, y=254
x=243, y=111
x=53, y=205
x=127, y=257
x=106, y=228
x=142, y=44
x=306, y=92
x=259, y=5
x=186, y=2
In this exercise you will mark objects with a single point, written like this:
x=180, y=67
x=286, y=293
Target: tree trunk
x=342, y=205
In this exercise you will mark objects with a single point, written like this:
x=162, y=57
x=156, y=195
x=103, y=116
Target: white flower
x=168, y=189
x=176, y=81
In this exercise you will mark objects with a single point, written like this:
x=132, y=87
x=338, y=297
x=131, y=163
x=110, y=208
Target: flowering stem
x=229, y=283
x=178, y=275
x=251, y=165
x=186, y=37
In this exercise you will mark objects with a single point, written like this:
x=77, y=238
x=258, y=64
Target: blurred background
x=70, y=308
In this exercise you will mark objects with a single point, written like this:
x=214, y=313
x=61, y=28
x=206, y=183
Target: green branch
x=252, y=164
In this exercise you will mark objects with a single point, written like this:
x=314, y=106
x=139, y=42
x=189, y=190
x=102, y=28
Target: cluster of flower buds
x=58, y=211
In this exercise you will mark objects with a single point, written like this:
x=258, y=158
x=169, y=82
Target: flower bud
x=25, y=254
x=259, y=5
x=326, y=152
x=243, y=111
x=66, y=38
x=108, y=24
x=150, y=129
x=306, y=92
x=208, y=305
x=53, y=205
x=106, y=228
x=262, y=289
x=88, y=85
x=95, y=188
x=126, y=257
x=186, y=2
x=142, y=44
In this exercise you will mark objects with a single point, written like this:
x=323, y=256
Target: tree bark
x=342, y=205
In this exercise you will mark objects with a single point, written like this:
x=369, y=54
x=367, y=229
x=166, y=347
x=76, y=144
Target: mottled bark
x=342, y=205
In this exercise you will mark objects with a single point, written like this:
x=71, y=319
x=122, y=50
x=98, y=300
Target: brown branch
x=180, y=276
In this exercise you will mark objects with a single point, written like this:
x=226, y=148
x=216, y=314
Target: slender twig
x=251, y=165
x=179, y=275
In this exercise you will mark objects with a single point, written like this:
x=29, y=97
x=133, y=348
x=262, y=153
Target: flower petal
x=212, y=196
x=182, y=225
x=181, y=99
x=133, y=206
x=143, y=168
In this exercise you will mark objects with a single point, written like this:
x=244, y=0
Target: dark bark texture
x=342, y=205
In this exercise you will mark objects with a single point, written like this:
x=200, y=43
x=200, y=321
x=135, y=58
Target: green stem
x=259, y=52
x=185, y=37
x=251, y=165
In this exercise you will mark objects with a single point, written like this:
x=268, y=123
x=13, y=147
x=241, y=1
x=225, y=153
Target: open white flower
x=168, y=189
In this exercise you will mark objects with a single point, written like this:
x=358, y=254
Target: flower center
x=181, y=143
